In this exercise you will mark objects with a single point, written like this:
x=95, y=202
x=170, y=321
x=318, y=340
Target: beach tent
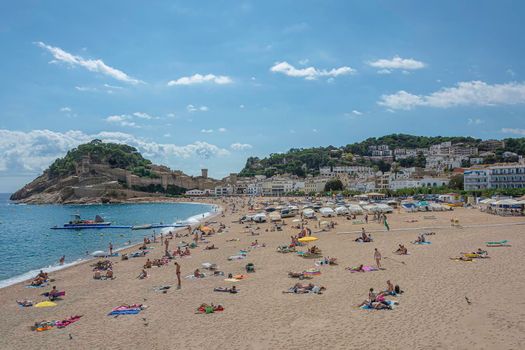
x=99, y=254
x=384, y=208
x=355, y=209
x=275, y=216
x=341, y=210
x=409, y=206
x=327, y=212
x=308, y=213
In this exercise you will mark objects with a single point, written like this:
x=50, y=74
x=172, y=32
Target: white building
x=223, y=190
x=315, y=184
x=350, y=170
x=195, y=192
x=493, y=177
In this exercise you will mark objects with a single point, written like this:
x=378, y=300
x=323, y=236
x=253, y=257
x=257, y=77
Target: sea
x=28, y=243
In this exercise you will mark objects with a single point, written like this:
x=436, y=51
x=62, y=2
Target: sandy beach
x=446, y=304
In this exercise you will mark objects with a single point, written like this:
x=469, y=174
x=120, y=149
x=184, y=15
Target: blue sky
x=209, y=83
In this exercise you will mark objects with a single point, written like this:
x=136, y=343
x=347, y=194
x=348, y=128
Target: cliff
x=99, y=172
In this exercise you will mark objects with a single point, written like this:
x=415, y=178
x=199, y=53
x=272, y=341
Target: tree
x=333, y=185
x=456, y=182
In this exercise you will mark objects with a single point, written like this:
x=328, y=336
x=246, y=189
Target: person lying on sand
x=314, y=250
x=300, y=288
x=210, y=247
x=186, y=252
x=25, y=302
x=232, y=290
x=374, y=300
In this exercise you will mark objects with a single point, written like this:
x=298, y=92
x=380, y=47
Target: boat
x=76, y=222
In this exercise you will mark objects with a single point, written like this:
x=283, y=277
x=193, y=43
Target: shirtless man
x=177, y=272
x=166, y=244
x=110, y=248
x=377, y=257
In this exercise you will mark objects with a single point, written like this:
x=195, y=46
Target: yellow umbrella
x=308, y=239
x=45, y=304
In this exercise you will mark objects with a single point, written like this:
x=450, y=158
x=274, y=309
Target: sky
x=207, y=84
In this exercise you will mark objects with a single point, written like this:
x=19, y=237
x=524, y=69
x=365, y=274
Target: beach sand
x=432, y=313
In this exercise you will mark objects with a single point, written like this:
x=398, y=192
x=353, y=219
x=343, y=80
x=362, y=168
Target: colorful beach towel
x=422, y=243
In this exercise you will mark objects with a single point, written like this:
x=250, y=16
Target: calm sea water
x=28, y=243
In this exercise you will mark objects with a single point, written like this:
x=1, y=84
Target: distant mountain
x=303, y=161
x=106, y=172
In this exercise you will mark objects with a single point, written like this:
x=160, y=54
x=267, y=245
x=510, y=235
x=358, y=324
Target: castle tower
x=204, y=173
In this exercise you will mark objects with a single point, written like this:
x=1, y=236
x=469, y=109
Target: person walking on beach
x=177, y=272
x=110, y=248
x=377, y=257
x=366, y=218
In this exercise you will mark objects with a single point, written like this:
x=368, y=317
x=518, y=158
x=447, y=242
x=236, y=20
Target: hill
x=106, y=172
x=303, y=161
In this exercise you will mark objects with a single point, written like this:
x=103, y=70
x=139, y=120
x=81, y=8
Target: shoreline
x=17, y=279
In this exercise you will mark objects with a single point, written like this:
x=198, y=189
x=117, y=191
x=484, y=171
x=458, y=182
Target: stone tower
x=204, y=173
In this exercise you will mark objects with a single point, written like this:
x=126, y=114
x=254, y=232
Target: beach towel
x=124, y=312
x=312, y=272
x=392, y=304
x=193, y=277
x=68, y=321
x=40, y=286
x=54, y=295
x=422, y=243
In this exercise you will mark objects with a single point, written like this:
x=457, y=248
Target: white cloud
x=384, y=71
x=122, y=120
x=192, y=108
x=206, y=131
x=222, y=130
x=513, y=131
x=86, y=88
x=241, y=106
x=315, y=130
x=35, y=150
x=143, y=115
x=471, y=93
x=199, y=79
x=511, y=72
x=309, y=73
x=240, y=146
x=396, y=62
x=356, y=112
x=167, y=134
x=97, y=66
x=304, y=62
x=113, y=87
x=65, y=109
x=476, y=121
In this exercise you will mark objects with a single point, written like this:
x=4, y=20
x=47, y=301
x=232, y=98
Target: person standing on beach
x=166, y=244
x=366, y=218
x=110, y=248
x=377, y=257
x=62, y=260
x=177, y=272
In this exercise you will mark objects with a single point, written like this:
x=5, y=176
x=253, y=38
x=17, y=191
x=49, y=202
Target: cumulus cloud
x=471, y=93
x=122, y=120
x=309, y=73
x=97, y=65
x=396, y=62
x=356, y=112
x=65, y=109
x=35, y=150
x=192, y=108
x=240, y=146
x=199, y=79
x=514, y=131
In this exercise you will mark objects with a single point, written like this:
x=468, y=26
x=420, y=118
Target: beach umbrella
x=99, y=254
x=307, y=239
x=45, y=304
